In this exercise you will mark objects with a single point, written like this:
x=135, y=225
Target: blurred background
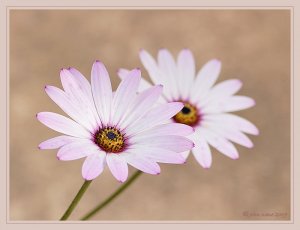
x=253, y=45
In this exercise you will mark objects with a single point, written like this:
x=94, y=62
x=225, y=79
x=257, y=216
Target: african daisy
x=113, y=129
x=206, y=106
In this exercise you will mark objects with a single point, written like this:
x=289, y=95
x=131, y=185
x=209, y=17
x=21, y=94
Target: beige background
x=253, y=46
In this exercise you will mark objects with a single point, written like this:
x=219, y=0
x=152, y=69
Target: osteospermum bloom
x=206, y=105
x=113, y=129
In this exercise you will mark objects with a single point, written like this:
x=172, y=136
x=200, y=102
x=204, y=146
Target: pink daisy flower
x=113, y=129
x=206, y=105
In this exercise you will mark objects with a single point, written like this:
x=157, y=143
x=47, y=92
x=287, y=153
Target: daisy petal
x=82, y=81
x=76, y=150
x=57, y=142
x=151, y=66
x=102, y=92
x=117, y=166
x=221, y=144
x=144, y=84
x=144, y=164
x=62, y=124
x=159, y=155
x=168, y=67
x=231, y=133
x=125, y=94
x=171, y=142
x=167, y=129
x=221, y=91
x=237, y=103
x=205, y=79
x=141, y=105
x=202, y=152
x=62, y=100
x=186, y=69
x=81, y=100
x=93, y=166
x=234, y=121
x=158, y=115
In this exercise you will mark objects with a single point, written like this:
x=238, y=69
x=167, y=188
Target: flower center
x=110, y=140
x=188, y=115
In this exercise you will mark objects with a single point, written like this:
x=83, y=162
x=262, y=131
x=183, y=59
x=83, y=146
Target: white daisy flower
x=113, y=130
x=206, y=106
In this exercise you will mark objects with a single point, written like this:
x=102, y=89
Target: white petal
x=186, y=72
x=171, y=142
x=221, y=91
x=102, y=92
x=169, y=72
x=143, y=164
x=220, y=143
x=151, y=66
x=57, y=142
x=63, y=101
x=93, y=166
x=62, y=124
x=117, y=166
x=230, y=133
x=156, y=116
x=76, y=150
x=124, y=95
x=234, y=121
x=231, y=104
x=205, y=79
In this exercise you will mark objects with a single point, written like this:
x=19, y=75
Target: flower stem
x=76, y=199
x=112, y=196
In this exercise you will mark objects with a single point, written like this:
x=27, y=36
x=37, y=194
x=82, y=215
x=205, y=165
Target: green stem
x=76, y=199
x=112, y=196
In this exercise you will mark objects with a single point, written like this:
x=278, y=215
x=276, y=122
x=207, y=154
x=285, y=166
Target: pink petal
x=144, y=84
x=171, y=142
x=57, y=142
x=141, y=105
x=76, y=150
x=102, y=91
x=93, y=166
x=156, y=116
x=144, y=164
x=125, y=94
x=78, y=96
x=63, y=101
x=205, y=79
x=159, y=155
x=202, y=152
x=82, y=81
x=117, y=166
x=186, y=72
x=167, y=129
x=62, y=124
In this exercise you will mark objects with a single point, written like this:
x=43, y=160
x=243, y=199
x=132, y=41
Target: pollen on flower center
x=188, y=115
x=110, y=140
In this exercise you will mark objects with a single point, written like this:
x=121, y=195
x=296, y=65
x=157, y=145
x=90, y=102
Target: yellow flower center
x=110, y=140
x=188, y=115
